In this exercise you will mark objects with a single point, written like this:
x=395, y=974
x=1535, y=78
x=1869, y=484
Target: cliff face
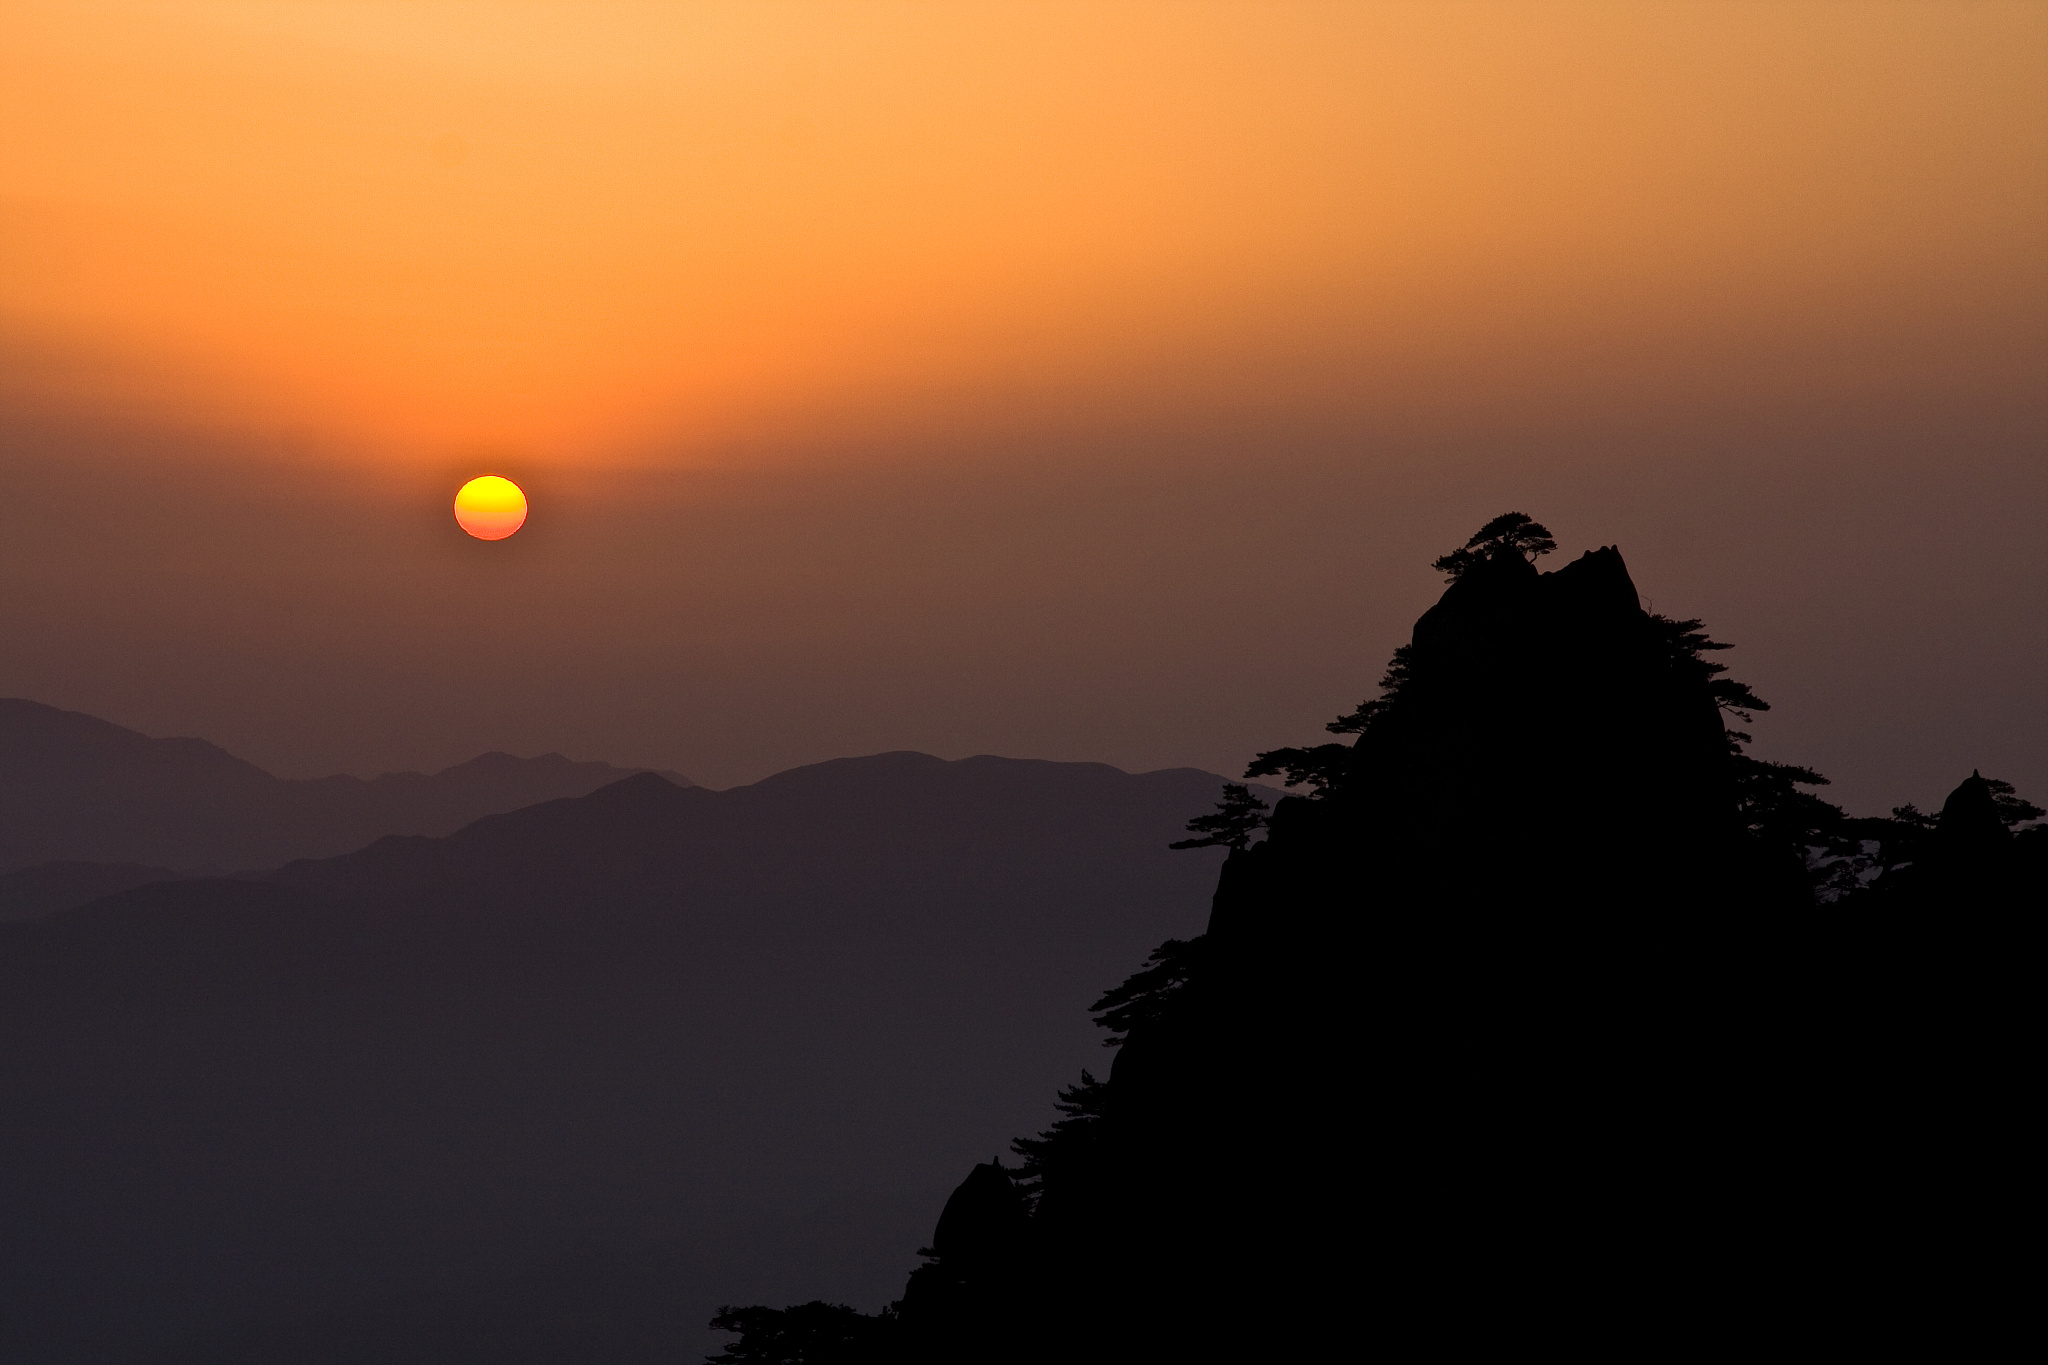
x=1464, y=1018
x=1453, y=1063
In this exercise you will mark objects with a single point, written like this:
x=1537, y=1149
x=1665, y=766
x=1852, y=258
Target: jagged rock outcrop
x=1458, y=1065
x=1549, y=747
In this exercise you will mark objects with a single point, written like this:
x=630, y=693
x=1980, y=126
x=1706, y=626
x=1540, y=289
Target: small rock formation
x=968, y=1301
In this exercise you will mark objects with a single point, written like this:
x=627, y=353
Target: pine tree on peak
x=1510, y=533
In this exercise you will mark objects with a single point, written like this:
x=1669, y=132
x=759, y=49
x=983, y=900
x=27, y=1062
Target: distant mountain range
x=76, y=789
x=552, y=1087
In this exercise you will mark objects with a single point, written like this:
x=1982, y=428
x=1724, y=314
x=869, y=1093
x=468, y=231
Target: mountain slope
x=46, y=888
x=757, y=1025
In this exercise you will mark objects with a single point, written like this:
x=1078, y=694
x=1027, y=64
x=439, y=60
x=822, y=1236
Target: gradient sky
x=1074, y=381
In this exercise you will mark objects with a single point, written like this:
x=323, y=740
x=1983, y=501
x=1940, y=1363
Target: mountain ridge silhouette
x=1548, y=1020
x=81, y=791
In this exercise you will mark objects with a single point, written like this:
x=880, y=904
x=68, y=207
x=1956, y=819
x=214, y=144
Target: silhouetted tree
x=1237, y=817
x=1067, y=1143
x=1780, y=816
x=815, y=1333
x=2013, y=809
x=2032, y=844
x=1146, y=994
x=1686, y=644
x=1509, y=533
x=1768, y=798
x=1400, y=672
x=1898, y=841
x=1144, y=997
x=1322, y=768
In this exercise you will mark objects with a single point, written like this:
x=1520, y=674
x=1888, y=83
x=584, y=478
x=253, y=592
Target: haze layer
x=1084, y=380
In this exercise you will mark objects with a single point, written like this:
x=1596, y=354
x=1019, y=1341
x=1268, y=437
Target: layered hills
x=87, y=794
x=624, y=1056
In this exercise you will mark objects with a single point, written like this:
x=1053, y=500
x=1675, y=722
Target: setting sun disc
x=490, y=507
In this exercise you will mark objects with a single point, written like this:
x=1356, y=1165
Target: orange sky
x=583, y=230
x=1081, y=381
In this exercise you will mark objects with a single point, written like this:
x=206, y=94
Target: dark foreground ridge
x=1548, y=1018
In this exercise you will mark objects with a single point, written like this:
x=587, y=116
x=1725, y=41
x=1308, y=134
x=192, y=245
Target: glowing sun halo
x=490, y=508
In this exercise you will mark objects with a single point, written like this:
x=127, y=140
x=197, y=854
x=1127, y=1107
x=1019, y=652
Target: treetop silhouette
x=1510, y=533
x=815, y=1333
x=1237, y=817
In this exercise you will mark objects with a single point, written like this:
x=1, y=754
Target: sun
x=490, y=508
